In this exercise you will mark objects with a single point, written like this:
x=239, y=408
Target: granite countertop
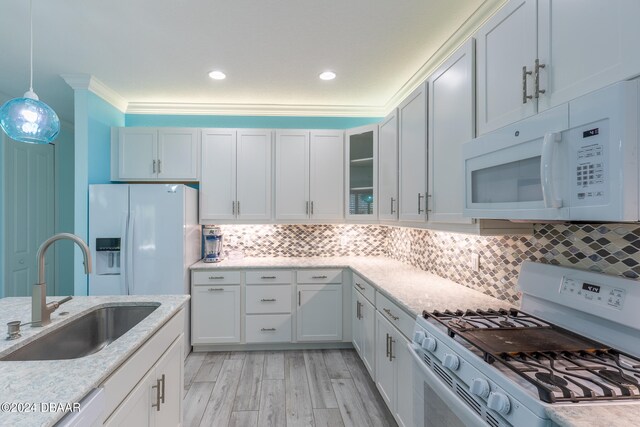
x=416, y=290
x=68, y=381
x=412, y=289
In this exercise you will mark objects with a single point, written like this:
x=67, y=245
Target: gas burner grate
x=562, y=365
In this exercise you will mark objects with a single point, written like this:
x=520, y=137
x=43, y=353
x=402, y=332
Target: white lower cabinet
x=319, y=313
x=147, y=389
x=215, y=314
x=363, y=330
x=264, y=328
x=393, y=371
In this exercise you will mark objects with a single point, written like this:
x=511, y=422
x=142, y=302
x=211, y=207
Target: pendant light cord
x=31, y=45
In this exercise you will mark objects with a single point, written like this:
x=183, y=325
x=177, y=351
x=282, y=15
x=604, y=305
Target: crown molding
x=468, y=28
x=171, y=108
x=92, y=84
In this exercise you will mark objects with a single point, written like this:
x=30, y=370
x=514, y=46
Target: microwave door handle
x=549, y=196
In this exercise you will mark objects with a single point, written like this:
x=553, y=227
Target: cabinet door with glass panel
x=362, y=173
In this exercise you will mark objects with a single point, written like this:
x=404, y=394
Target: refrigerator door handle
x=129, y=268
x=124, y=283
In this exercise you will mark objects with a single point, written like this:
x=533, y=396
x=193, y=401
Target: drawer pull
x=318, y=277
x=215, y=289
x=268, y=299
x=268, y=329
x=360, y=286
x=386, y=310
x=216, y=277
x=267, y=277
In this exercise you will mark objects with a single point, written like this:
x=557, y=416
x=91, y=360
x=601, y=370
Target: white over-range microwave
x=575, y=162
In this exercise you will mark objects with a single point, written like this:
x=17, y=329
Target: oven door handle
x=549, y=195
x=455, y=403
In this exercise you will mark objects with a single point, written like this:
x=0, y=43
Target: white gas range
x=576, y=341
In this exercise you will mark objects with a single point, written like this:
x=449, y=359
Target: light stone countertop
x=68, y=381
x=413, y=289
x=416, y=290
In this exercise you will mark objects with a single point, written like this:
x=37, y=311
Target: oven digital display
x=591, y=288
x=590, y=132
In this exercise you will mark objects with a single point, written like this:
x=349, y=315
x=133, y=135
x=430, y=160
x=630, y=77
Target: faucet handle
x=54, y=305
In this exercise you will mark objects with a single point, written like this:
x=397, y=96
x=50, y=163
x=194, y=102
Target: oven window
x=436, y=412
x=517, y=181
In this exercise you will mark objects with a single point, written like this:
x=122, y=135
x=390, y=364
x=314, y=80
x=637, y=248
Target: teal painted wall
x=269, y=122
x=102, y=116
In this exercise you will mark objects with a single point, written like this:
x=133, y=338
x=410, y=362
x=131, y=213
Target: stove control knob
x=429, y=344
x=451, y=362
x=480, y=387
x=418, y=336
x=499, y=403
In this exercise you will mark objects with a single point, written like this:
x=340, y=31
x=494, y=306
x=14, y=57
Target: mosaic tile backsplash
x=608, y=248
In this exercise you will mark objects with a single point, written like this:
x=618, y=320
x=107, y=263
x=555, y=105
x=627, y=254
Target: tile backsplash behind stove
x=609, y=248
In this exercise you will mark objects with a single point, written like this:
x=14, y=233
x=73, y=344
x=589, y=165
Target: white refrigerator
x=143, y=238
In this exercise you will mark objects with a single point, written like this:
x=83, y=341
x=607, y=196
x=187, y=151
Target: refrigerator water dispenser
x=107, y=255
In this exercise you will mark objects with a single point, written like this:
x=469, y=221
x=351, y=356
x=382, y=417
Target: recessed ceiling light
x=217, y=75
x=327, y=75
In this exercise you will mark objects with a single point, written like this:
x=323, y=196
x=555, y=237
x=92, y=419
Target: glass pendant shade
x=29, y=120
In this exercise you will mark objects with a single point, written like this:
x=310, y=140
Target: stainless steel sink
x=85, y=335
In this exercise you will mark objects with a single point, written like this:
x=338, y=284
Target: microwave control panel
x=589, y=152
x=595, y=293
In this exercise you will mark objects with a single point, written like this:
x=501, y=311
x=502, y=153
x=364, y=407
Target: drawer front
x=281, y=277
x=364, y=288
x=268, y=299
x=268, y=328
x=319, y=276
x=398, y=317
x=216, y=277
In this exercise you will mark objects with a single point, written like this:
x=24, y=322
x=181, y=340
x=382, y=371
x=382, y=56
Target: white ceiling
x=157, y=53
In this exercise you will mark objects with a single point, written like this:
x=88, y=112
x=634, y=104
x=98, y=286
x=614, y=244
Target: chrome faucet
x=40, y=310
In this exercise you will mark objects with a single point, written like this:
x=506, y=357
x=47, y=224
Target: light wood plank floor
x=281, y=388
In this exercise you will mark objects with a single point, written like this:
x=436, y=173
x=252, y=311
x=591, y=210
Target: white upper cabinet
x=326, y=174
x=506, y=51
x=361, y=172
x=309, y=174
x=388, y=168
x=154, y=154
x=236, y=175
x=412, y=124
x=535, y=54
x=585, y=46
x=451, y=124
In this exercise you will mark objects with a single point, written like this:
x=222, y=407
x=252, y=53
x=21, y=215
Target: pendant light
x=28, y=119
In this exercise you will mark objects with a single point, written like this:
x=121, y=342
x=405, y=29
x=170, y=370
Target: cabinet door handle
x=524, y=85
x=299, y=297
x=391, y=356
x=162, y=379
x=306, y=209
x=318, y=277
x=157, y=404
x=154, y=166
x=238, y=207
x=268, y=300
x=538, y=65
x=268, y=329
x=360, y=286
x=392, y=200
x=388, y=344
x=267, y=277
x=159, y=166
x=420, y=197
x=215, y=289
x=311, y=207
x=386, y=310
x=359, y=310
x=426, y=202
x=233, y=208
x=216, y=277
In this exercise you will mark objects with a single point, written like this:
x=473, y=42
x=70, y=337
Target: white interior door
x=29, y=214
